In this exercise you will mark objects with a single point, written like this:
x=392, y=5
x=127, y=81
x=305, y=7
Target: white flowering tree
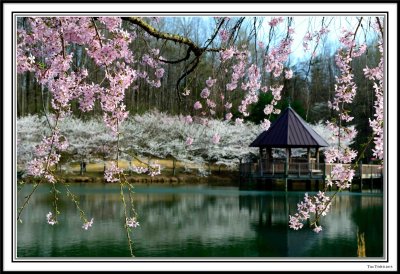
x=30, y=130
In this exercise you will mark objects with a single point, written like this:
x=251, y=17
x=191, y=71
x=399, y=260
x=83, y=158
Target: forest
x=171, y=76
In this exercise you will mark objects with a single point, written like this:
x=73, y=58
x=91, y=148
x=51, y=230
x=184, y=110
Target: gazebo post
x=317, y=156
x=287, y=168
x=261, y=162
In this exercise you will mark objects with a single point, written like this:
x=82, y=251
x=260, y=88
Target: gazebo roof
x=289, y=130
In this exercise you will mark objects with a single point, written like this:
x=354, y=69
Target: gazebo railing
x=279, y=168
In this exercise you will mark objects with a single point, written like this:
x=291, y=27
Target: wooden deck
x=300, y=171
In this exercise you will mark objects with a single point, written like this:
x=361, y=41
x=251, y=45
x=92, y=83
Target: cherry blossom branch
x=27, y=199
x=40, y=171
x=355, y=33
x=86, y=223
x=345, y=90
x=130, y=243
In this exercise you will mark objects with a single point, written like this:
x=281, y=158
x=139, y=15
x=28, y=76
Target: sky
x=301, y=24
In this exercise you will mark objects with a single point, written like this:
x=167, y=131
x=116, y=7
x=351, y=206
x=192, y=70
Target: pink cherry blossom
x=112, y=172
x=216, y=138
x=210, y=82
x=228, y=116
x=288, y=74
x=266, y=124
x=132, y=222
x=224, y=35
x=189, y=141
x=188, y=119
x=50, y=219
x=86, y=225
x=197, y=105
x=205, y=93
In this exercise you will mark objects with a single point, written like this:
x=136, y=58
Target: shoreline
x=217, y=180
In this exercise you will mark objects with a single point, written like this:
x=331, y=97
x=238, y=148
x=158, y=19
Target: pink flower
x=112, y=172
x=87, y=224
x=50, y=219
x=205, y=93
x=188, y=119
x=211, y=103
x=210, y=82
x=288, y=74
x=159, y=72
x=197, y=105
x=35, y=167
x=227, y=54
x=131, y=222
x=224, y=35
x=275, y=21
x=231, y=86
x=266, y=124
x=294, y=222
x=317, y=229
x=238, y=121
x=189, y=141
x=216, y=138
x=186, y=92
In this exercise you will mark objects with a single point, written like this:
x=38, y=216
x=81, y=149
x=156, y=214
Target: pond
x=199, y=222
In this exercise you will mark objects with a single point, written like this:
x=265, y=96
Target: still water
x=199, y=221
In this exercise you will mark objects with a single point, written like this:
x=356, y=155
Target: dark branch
x=354, y=36
x=209, y=41
x=380, y=26
x=192, y=47
x=187, y=56
x=194, y=64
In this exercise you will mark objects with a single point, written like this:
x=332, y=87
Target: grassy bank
x=171, y=174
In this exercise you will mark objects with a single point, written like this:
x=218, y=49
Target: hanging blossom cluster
x=47, y=156
x=316, y=37
x=376, y=74
x=132, y=222
x=342, y=155
x=50, y=219
x=208, y=103
x=87, y=224
x=251, y=77
x=112, y=173
x=279, y=55
x=318, y=205
x=43, y=49
x=207, y=106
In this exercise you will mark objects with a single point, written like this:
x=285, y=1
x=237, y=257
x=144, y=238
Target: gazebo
x=288, y=132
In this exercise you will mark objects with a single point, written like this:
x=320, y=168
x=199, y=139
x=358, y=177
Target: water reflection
x=199, y=222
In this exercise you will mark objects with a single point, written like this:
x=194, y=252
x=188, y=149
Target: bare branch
x=194, y=64
x=193, y=47
x=378, y=21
